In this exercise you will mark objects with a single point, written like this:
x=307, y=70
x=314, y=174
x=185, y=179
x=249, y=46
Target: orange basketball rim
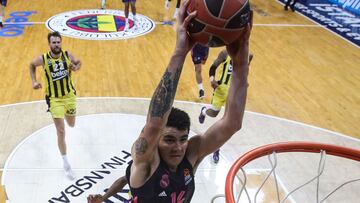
x=280, y=148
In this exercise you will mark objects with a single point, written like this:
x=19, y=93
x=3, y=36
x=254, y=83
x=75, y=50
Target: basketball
x=218, y=22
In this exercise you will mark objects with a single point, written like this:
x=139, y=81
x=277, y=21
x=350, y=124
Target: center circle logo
x=99, y=24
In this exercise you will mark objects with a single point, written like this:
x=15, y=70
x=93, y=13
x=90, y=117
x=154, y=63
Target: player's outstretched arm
x=116, y=187
x=145, y=147
x=231, y=122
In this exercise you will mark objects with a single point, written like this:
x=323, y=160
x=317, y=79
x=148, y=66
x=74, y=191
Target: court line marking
x=288, y=25
x=189, y=102
x=334, y=33
x=8, y=159
x=160, y=22
x=317, y=23
x=146, y=99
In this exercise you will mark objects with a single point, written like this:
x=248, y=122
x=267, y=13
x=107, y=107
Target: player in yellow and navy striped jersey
x=221, y=87
x=58, y=66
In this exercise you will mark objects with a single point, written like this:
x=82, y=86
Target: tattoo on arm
x=164, y=95
x=141, y=146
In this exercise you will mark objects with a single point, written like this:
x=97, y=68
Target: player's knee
x=198, y=68
x=212, y=113
x=60, y=132
x=71, y=124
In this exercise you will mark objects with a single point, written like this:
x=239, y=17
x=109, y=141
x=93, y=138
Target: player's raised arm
x=116, y=187
x=231, y=122
x=239, y=53
x=145, y=146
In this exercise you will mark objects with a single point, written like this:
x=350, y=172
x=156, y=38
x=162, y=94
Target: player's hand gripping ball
x=218, y=22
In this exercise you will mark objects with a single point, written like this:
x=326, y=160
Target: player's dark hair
x=178, y=119
x=53, y=34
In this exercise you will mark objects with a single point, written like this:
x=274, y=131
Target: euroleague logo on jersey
x=99, y=24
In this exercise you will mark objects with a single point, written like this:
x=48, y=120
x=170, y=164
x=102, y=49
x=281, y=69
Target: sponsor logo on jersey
x=162, y=194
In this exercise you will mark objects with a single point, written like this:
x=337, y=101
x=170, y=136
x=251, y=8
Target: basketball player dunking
x=164, y=159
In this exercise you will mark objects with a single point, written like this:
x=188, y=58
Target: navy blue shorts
x=3, y=2
x=199, y=54
x=127, y=1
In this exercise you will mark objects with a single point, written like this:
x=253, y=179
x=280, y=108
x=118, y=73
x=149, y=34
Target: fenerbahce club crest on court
x=99, y=24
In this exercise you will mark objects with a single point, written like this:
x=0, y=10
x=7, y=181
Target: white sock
x=126, y=21
x=200, y=86
x=66, y=162
x=134, y=19
x=203, y=111
x=167, y=4
x=176, y=13
x=1, y=18
x=103, y=4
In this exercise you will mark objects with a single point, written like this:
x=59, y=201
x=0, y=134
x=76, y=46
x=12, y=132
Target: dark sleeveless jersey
x=165, y=186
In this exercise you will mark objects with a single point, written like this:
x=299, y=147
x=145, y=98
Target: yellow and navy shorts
x=219, y=97
x=59, y=107
x=3, y=2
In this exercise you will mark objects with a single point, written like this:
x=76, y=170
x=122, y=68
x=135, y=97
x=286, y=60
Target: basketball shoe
x=202, y=116
x=292, y=8
x=216, y=156
x=103, y=4
x=167, y=4
x=69, y=173
x=176, y=13
x=201, y=94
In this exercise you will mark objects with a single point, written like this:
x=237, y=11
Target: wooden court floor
x=306, y=74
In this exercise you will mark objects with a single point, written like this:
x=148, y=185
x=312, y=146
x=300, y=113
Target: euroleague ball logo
x=99, y=24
